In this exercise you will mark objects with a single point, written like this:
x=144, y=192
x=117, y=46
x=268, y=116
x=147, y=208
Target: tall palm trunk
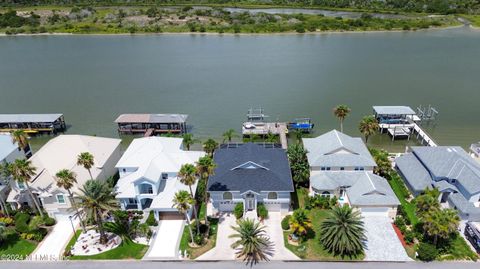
x=189, y=227
x=37, y=206
x=195, y=211
x=90, y=173
x=4, y=206
x=74, y=205
x=206, y=203
x=103, y=236
x=341, y=125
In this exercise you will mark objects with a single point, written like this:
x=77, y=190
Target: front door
x=250, y=201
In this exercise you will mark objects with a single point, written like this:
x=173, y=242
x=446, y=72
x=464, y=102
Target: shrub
x=49, y=221
x=151, y=221
x=6, y=220
x=262, y=211
x=399, y=221
x=238, y=210
x=409, y=236
x=198, y=239
x=427, y=252
x=286, y=222
x=21, y=222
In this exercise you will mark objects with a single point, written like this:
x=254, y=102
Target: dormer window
x=21, y=185
x=164, y=175
x=146, y=189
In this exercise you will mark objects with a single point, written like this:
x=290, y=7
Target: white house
x=341, y=165
x=251, y=174
x=148, y=174
x=9, y=152
x=60, y=153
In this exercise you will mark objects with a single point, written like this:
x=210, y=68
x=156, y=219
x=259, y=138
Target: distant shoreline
x=243, y=34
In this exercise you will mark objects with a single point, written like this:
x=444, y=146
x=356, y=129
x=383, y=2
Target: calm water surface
x=215, y=79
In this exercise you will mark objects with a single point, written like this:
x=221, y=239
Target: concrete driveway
x=166, y=240
x=222, y=250
x=274, y=230
x=382, y=241
x=53, y=246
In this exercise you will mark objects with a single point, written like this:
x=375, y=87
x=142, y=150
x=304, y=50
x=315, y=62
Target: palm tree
x=97, y=199
x=205, y=168
x=341, y=112
x=22, y=171
x=271, y=138
x=252, y=242
x=342, y=231
x=228, y=135
x=4, y=176
x=188, y=140
x=187, y=176
x=21, y=139
x=182, y=201
x=86, y=160
x=427, y=202
x=300, y=223
x=440, y=224
x=368, y=126
x=66, y=179
x=209, y=146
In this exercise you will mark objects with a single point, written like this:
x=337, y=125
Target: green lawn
x=458, y=250
x=402, y=194
x=212, y=239
x=126, y=251
x=73, y=240
x=15, y=247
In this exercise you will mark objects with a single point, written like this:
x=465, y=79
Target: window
x=164, y=175
x=272, y=195
x=146, y=189
x=323, y=168
x=60, y=199
x=21, y=185
x=227, y=196
x=342, y=168
x=132, y=201
x=325, y=194
x=359, y=168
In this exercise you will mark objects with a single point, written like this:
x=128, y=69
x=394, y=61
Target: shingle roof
x=13, y=118
x=337, y=149
x=6, y=146
x=464, y=206
x=451, y=162
x=251, y=167
x=372, y=190
x=331, y=180
x=393, y=110
x=413, y=172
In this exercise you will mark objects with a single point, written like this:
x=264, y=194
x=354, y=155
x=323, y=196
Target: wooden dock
x=265, y=128
x=33, y=123
x=423, y=136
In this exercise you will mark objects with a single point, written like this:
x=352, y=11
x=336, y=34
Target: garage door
x=375, y=211
x=226, y=206
x=272, y=206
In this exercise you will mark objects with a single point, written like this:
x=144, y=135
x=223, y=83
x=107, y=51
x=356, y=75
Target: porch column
x=139, y=204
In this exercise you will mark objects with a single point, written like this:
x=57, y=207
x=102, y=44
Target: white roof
x=152, y=156
x=6, y=146
x=14, y=118
x=61, y=152
x=393, y=110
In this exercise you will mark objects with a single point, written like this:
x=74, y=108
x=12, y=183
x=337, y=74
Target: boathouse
x=32, y=123
x=151, y=124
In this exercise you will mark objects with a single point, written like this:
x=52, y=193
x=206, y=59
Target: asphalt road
x=231, y=265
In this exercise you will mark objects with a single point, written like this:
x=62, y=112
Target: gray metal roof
x=372, y=190
x=34, y=118
x=453, y=163
x=443, y=185
x=6, y=146
x=336, y=149
x=251, y=167
x=152, y=118
x=393, y=110
x=413, y=172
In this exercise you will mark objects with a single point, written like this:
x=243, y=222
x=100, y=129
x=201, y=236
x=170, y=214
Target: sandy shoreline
x=246, y=34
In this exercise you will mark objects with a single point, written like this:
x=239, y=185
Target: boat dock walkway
x=423, y=136
x=265, y=128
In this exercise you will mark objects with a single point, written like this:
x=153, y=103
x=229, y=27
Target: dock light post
x=73, y=227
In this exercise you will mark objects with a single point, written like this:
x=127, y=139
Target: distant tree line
x=11, y=19
x=430, y=6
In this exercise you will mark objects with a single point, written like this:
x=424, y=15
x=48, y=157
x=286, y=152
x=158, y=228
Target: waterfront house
x=60, y=153
x=148, y=174
x=250, y=174
x=9, y=152
x=341, y=166
x=449, y=169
